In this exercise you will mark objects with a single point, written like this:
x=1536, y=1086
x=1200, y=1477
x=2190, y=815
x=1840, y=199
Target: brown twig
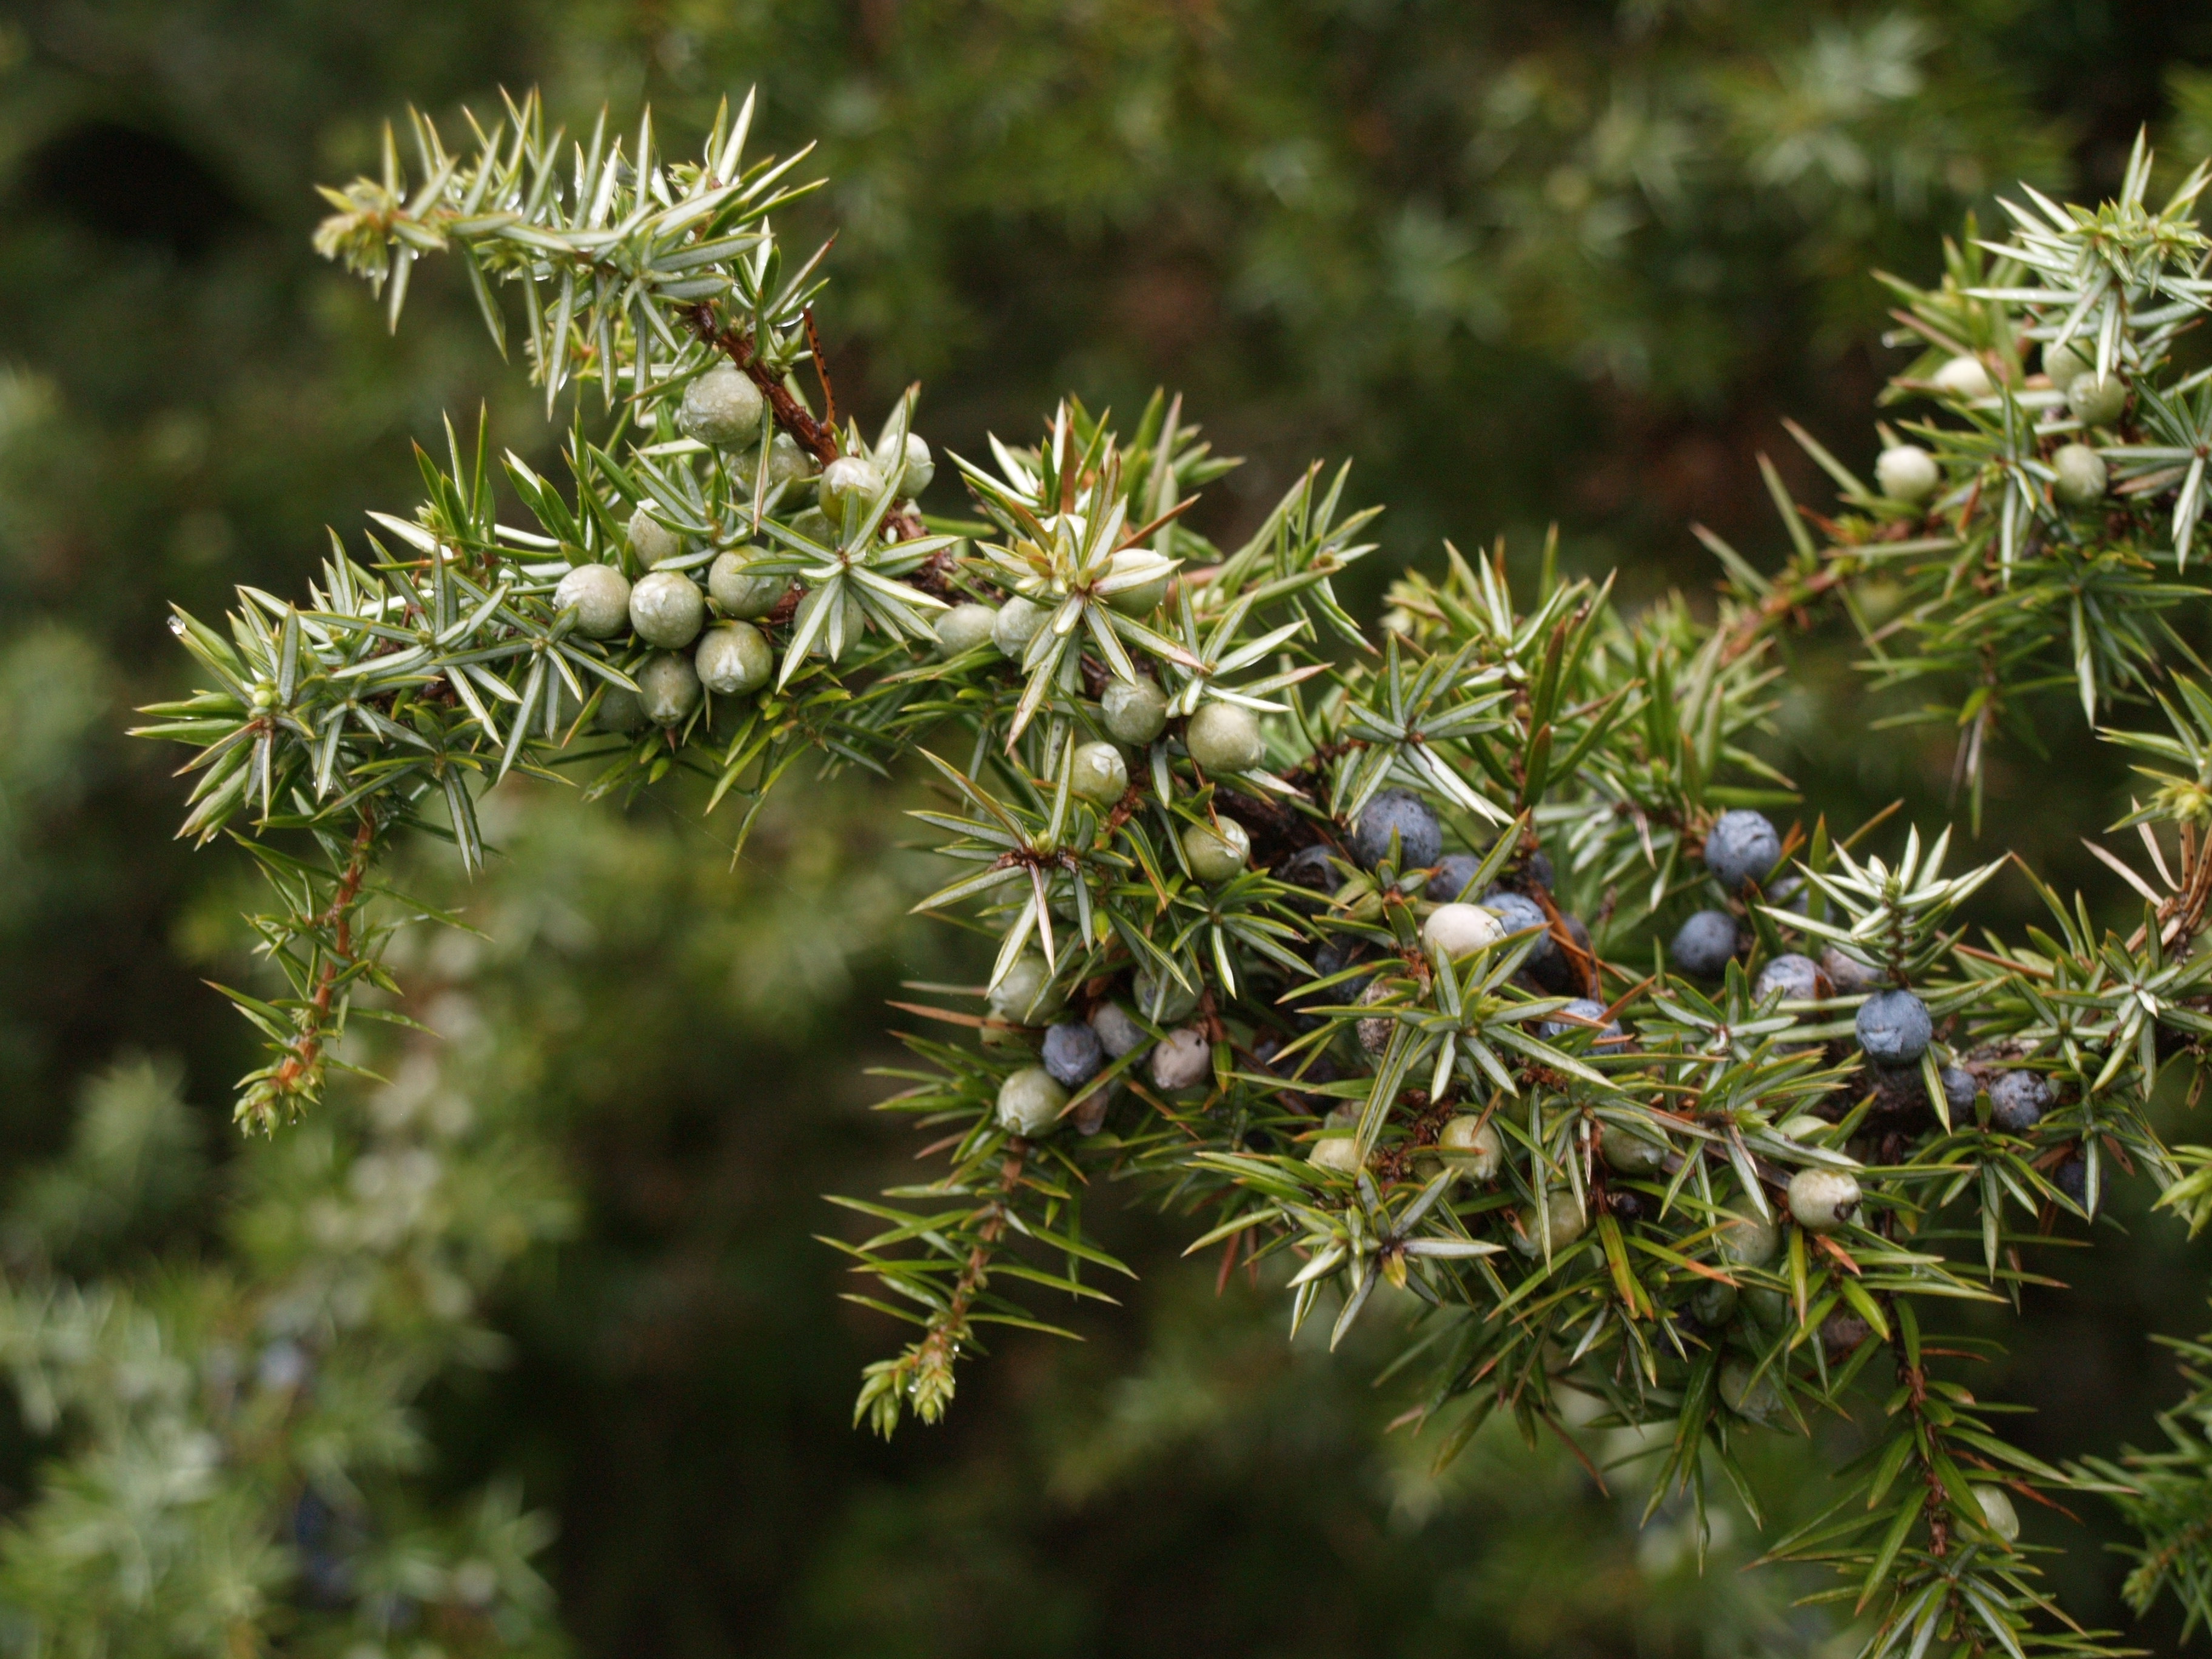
x=738, y=345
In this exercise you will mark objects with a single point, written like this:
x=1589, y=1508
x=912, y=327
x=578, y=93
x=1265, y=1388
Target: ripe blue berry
x=1796, y=978
x=1449, y=881
x=1850, y=975
x=1118, y=1034
x=1073, y=1053
x=1420, y=837
x=1516, y=914
x=2018, y=1100
x=1309, y=868
x=1894, y=1028
x=1959, y=1090
x=1703, y=944
x=2072, y=1178
x=1741, y=847
x=1579, y=1016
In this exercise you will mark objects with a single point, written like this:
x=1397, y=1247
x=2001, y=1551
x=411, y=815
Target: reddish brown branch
x=790, y=414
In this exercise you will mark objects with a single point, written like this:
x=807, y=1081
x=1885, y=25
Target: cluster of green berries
x=1908, y=473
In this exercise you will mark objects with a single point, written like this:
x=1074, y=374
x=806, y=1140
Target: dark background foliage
x=1525, y=262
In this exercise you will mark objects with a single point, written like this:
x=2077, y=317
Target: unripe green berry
x=1750, y=1393
x=600, y=594
x=1164, y=999
x=1218, y=851
x=668, y=688
x=964, y=627
x=2067, y=363
x=1097, y=773
x=787, y=463
x=1025, y=994
x=1017, y=625
x=1560, y=1225
x=2081, y=476
x=740, y=592
x=650, y=540
x=1459, y=930
x=1822, y=1200
x=1144, y=598
x=620, y=710
x=1339, y=1152
x=1626, y=1153
x=849, y=485
x=1906, y=472
x=1134, y=711
x=1030, y=1103
x=1748, y=1241
x=2097, y=400
x=667, y=608
x=1224, y=737
x=734, y=658
x=722, y=407
x=920, y=468
x=1963, y=377
x=814, y=525
x=1182, y=1059
x=1471, y=1146
x=1996, y=1509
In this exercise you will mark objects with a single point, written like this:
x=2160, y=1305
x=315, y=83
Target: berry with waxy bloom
x=1459, y=930
x=1309, y=867
x=1748, y=1241
x=1182, y=1060
x=1134, y=711
x=921, y=467
x=1580, y=1015
x=1030, y=1103
x=1401, y=812
x=849, y=485
x=1627, y=1152
x=1073, y=1053
x=650, y=540
x=1751, y=1393
x=787, y=463
x=1996, y=1509
x=1216, y=851
x=1025, y=994
x=1224, y=737
x=1017, y=622
x=667, y=610
x=740, y=592
x=1894, y=1028
x=620, y=710
x=1518, y=914
x=2097, y=400
x=2081, y=476
x=1097, y=773
x=1163, y=999
x=1451, y=877
x=1742, y=846
x=1702, y=946
x=1906, y=472
x=2018, y=1100
x=1547, y=1228
x=1963, y=377
x=1821, y=1199
x=1469, y=1144
x=667, y=688
x=1794, y=978
x=2067, y=363
x=722, y=407
x=964, y=627
x=1118, y=1034
x=733, y=658
x=1850, y=975
x=1143, y=596
x=599, y=595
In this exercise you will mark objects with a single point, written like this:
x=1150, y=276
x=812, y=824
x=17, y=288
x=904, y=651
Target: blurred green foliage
x=1592, y=251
